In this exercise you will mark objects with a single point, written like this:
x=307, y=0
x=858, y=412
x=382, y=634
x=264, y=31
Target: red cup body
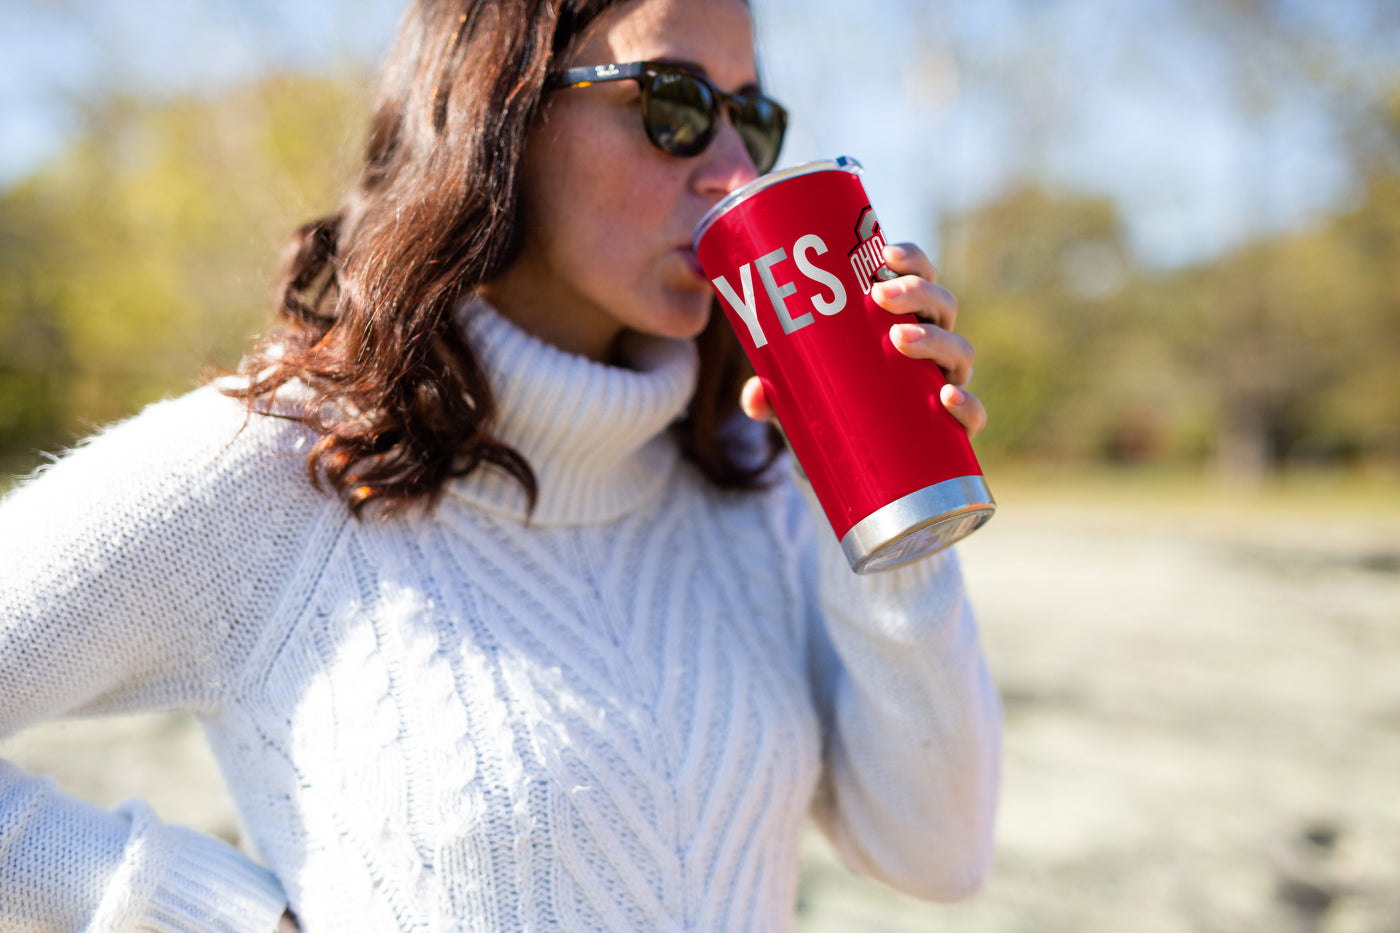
x=792, y=258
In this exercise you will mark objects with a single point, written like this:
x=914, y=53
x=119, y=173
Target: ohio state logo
x=867, y=256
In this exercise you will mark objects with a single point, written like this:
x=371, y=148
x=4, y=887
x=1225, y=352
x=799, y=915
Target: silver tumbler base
x=916, y=525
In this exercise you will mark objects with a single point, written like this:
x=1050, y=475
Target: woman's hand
x=916, y=292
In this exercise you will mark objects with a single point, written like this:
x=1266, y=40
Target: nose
x=725, y=164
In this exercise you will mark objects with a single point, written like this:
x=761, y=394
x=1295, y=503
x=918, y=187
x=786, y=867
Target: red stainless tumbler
x=792, y=257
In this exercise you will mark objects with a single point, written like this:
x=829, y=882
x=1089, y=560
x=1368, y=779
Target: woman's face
x=609, y=217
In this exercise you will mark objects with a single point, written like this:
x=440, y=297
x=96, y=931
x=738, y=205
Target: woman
x=496, y=616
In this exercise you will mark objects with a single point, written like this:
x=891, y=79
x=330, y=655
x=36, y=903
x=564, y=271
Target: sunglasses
x=681, y=109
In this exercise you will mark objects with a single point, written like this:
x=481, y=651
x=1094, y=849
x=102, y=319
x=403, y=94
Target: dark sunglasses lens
x=761, y=124
x=679, y=112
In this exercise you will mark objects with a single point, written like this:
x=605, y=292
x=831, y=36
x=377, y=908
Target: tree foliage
x=147, y=249
x=1284, y=351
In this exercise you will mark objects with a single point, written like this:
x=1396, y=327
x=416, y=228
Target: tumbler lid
x=741, y=194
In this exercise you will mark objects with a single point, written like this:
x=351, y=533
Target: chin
x=685, y=316
x=696, y=324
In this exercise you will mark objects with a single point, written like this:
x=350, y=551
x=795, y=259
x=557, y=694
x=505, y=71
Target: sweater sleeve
x=912, y=720
x=136, y=571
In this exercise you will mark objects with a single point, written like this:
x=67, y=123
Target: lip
x=692, y=263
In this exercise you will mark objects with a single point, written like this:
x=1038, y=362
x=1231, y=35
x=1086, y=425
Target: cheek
x=599, y=199
x=599, y=222
x=579, y=163
x=591, y=238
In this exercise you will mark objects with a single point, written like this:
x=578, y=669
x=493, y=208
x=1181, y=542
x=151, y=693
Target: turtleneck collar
x=594, y=434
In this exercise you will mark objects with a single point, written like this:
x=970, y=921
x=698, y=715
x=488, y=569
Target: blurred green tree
x=1070, y=363
x=1283, y=352
x=1300, y=336
x=150, y=247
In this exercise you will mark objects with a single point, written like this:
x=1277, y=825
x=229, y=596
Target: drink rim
x=739, y=195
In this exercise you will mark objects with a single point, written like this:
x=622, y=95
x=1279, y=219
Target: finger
x=966, y=407
x=950, y=351
x=926, y=300
x=754, y=401
x=908, y=259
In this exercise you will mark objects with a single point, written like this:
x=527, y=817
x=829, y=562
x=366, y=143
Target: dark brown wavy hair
x=366, y=297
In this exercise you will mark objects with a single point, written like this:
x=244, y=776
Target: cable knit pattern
x=616, y=715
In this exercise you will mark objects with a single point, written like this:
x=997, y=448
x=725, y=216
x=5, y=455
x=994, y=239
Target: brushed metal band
x=916, y=525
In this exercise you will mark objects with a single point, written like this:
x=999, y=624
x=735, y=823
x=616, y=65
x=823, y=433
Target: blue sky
x=944, y=101
x=1134, y=100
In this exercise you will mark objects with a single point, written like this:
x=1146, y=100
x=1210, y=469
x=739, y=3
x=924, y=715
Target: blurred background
x=1174, y=230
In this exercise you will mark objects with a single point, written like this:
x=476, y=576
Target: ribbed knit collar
x=594, y=434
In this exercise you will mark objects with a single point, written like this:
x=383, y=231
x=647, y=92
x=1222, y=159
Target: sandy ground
x=1203, y=730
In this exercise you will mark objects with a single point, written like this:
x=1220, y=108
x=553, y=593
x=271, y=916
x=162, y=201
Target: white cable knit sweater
x=615, y=717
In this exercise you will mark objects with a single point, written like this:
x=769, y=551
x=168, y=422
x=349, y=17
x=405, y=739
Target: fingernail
x=954, y=396
x=906, y=333
x=887, y=289
x=894, y=252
